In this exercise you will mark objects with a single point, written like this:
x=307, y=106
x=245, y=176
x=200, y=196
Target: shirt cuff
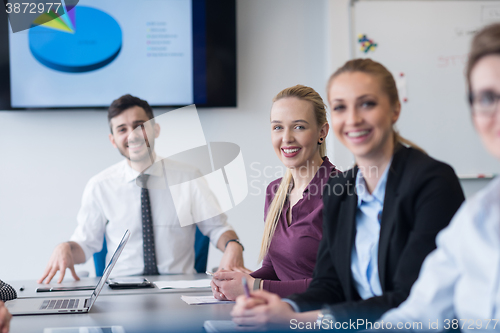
x=214, y=237
x=294, y=305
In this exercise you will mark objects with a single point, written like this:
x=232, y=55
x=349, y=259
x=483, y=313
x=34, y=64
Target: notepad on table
x=197, y=300
x=183, y=284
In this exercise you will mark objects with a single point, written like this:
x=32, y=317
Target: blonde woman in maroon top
x=293, y=208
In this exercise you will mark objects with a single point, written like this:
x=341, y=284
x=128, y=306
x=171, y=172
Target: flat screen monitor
x=168, y=52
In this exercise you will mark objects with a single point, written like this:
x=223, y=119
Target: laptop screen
x=109, y=268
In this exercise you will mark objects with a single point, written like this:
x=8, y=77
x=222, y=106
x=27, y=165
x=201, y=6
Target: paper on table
x=204, y=283
x=197, y=300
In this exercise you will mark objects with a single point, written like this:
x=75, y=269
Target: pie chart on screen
x=82, y=40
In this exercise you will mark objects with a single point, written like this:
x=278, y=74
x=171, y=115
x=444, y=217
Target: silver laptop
x=31, y=306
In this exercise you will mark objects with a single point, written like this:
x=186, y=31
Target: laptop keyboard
x=59, y=304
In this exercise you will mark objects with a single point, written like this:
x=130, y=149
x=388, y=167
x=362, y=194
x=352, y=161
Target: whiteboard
x=425, y=45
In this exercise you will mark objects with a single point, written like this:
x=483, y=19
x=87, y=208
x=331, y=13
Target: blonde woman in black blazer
x=421, y=195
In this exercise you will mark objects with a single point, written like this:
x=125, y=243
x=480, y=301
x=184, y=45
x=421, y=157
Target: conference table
x=137, y=310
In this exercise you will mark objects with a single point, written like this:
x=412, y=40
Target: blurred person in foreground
x=458, y=286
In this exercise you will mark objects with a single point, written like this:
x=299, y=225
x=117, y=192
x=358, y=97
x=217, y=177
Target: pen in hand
x=212, y=275
x=245, y=287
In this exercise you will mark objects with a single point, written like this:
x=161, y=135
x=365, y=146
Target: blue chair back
x=201, y=244
x=100, y=259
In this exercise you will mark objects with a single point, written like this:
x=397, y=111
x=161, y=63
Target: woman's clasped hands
x=227, y=285
x=263, y=311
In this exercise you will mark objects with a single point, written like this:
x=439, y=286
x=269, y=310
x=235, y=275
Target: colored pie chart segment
x=54, y=21
x=62, y=46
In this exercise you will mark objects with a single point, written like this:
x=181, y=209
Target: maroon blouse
x=288, y=266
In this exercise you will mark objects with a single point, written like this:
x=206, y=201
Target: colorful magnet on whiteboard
x=366, y=44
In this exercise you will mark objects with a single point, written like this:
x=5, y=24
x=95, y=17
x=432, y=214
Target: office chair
x=201, y=244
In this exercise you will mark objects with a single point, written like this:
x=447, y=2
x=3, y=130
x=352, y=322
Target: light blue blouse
x=364, y=255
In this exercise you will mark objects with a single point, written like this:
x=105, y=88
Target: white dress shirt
x=461, y=278
x=111, y=204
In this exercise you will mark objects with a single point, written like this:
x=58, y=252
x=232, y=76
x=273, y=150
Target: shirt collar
x=379, y=192
x=155, y=170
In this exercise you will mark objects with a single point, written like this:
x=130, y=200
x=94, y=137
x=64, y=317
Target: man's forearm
x=77, y=252
x=224, y=238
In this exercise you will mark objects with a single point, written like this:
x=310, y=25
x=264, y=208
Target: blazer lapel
x=389, y=211
x=346, y=235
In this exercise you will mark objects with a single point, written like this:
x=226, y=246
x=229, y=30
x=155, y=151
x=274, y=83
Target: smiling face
x=362, y=115
x=131, y=130
x=485, y=80
x=295, y=133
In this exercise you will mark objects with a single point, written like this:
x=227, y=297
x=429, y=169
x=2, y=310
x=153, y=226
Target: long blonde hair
x=387, y=83
x=275, y=208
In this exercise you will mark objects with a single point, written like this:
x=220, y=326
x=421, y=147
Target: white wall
x=48, y=156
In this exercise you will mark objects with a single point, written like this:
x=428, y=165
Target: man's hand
x=228, y=285
x=5, y=317
x=232, y=259
x=61, y=258
x=261, y=310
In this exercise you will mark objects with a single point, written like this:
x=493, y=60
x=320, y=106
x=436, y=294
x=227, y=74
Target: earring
x=320, y=141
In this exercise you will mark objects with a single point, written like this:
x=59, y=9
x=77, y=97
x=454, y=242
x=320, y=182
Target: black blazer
x=421, y=197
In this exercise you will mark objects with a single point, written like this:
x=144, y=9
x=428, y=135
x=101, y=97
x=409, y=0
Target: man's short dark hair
x=126, y=102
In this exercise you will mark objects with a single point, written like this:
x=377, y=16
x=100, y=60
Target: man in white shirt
x=113, y=202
